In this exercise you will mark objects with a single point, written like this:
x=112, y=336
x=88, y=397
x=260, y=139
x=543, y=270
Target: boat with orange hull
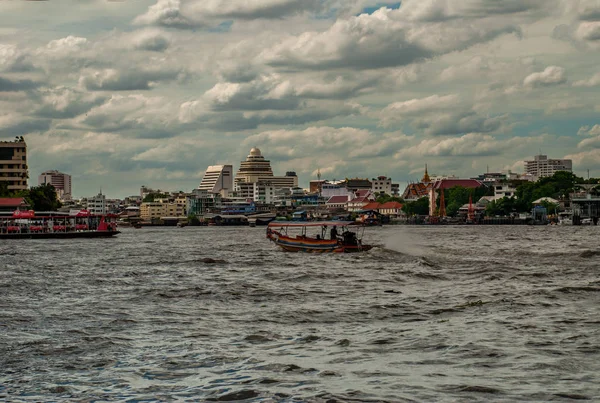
x=26, y=224
x=346, y=242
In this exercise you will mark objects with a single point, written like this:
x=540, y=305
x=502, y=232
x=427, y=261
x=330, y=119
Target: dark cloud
x=154, y=43
x=7, y=85
x=113, y=80
x=590, y=13
x=26, y=126
x=392, y=53
x=238, y=73
x=457, y=124
x=268, y=10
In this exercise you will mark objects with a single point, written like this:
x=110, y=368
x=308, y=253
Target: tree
x=150, y=197
x=417, y=207
x=42, y=198
x=4, y=189
x=384, y=198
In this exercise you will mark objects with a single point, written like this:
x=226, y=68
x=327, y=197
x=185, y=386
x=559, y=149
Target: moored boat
x=341, y=241
x=52, y=225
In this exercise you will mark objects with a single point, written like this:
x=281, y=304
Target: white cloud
x=382, y=39
x=202, y=13
x=13, y=59
x=65, y=45
x=154, y=41
x=171, y=151
x=433, y=103
x=591, y=82
x=468, y=145
x=266, y=92
x=441, y=10
x=249, y=9
x=166, y=13
x=552, y=75
x=588, y=31
x=589, y=159
x=589, y=131
x=592, y=142
x=64, y=102
x=115, y=80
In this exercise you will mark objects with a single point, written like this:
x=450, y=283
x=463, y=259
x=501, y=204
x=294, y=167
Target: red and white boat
x=345, y=241
x=51, y=225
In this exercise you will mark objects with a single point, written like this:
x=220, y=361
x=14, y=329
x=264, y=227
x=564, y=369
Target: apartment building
x=13, y=164
x=541, y=166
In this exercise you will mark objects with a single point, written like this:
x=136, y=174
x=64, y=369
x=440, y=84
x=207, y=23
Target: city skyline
x=120, y=94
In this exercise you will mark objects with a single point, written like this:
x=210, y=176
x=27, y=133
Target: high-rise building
x=257, y=169
x=217, y=178
x=60, y=181
x=542, y=166
x=13, y=164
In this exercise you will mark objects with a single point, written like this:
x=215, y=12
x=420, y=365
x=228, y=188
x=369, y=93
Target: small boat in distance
x=341, y=241
x=52, y=225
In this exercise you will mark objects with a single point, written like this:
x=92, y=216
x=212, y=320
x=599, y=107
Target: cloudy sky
x=143, y=92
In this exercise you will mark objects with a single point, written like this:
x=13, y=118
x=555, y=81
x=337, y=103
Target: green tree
x=384, y=198
x=150, y=197
x=4, y=189
x=417, y=207
x=193, y=219
x=42, y=198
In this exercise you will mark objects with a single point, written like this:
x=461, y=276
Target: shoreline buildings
x=257, y=169
x=13, y=164
x=541, y=166
x=60, y=181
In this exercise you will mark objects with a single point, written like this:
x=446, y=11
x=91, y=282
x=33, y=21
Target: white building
x=96, y=204
x=542, y=166
x=504, y=189
x=259, y=192
x=335, y=189
x=381, y=184
x=218, y=179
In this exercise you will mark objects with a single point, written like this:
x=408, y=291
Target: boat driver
x=334, y=232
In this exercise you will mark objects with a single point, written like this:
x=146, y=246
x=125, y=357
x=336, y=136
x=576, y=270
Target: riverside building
x=217, y=179
x=542, y=166
x=13, y=164
x=60, y=181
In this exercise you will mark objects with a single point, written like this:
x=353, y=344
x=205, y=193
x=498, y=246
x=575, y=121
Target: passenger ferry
x=52, y=225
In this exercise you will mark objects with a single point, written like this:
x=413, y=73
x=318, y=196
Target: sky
x=121, y=94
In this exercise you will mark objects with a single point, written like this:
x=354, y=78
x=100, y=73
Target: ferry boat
x=343, y=240
x=26, y=224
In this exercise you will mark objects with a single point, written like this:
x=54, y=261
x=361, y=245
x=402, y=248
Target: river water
x=220, y=314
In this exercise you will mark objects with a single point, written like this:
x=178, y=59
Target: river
x=441, y=313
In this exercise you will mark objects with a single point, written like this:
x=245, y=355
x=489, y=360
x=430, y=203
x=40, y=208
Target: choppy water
x=432, y=314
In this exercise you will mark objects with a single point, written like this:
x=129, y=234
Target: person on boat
x=334, y=232
x=318, y=237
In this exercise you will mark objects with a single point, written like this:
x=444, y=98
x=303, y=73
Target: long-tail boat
x=343, y=239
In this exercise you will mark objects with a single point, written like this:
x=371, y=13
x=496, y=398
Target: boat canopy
x=281, y=224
